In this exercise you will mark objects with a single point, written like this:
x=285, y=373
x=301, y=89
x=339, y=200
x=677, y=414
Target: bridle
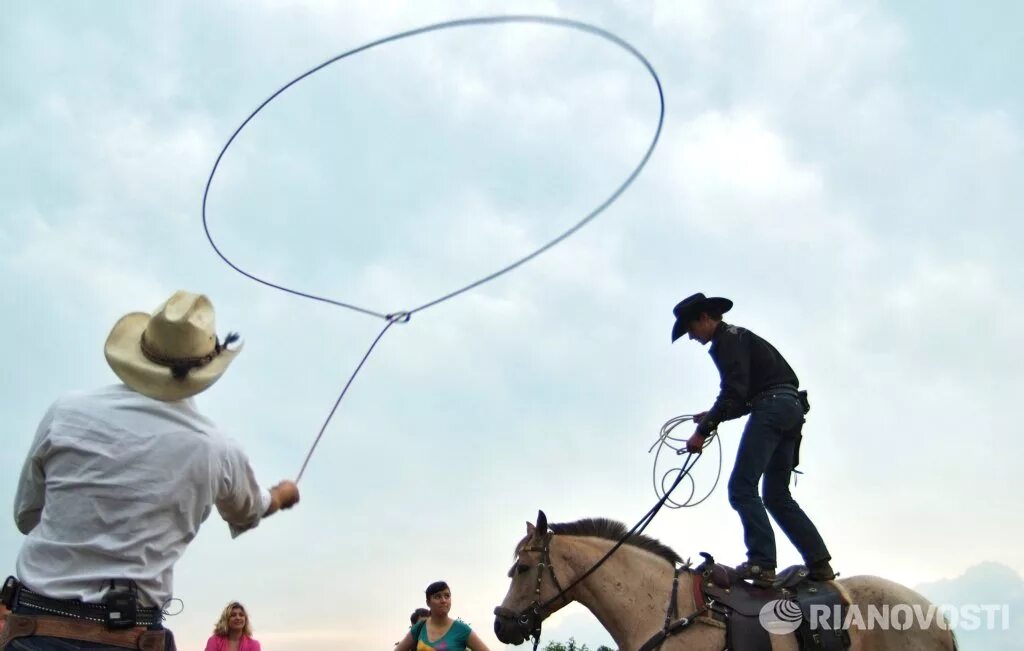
x=531, y=618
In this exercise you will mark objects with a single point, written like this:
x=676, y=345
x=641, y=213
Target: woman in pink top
x=232, y=632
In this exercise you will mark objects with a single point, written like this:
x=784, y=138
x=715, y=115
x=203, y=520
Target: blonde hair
x=221, y=628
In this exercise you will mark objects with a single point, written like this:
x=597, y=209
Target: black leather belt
x=29, y=602
x=776, y=390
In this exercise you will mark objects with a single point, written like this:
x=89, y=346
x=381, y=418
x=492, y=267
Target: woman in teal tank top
x=439, y=632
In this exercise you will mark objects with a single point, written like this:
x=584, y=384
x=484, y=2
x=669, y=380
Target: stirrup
x=762, y=577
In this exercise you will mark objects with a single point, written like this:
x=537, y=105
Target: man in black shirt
x=756, y=380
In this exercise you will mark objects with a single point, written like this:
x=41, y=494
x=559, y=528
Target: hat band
x=180, y=366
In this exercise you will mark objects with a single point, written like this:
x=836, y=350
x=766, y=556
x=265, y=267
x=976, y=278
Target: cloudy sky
x=847, y=172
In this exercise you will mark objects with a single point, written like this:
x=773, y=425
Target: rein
x=534, y=614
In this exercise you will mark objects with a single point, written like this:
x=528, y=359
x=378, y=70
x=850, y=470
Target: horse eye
x=521, y=568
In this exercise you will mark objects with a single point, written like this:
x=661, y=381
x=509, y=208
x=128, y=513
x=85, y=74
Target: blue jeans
x=60, y=644
x=767, y=449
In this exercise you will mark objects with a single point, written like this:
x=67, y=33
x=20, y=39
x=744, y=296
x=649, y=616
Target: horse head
x=534, y=590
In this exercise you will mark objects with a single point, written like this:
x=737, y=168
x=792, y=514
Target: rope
x=638, y=528
x=323, y=428
x=404, y=315
x=683, y=472
x=666, y=440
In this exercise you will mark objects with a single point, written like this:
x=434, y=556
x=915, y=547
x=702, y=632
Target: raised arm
x=240, y=500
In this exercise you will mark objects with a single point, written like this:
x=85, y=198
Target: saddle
x=794, y=604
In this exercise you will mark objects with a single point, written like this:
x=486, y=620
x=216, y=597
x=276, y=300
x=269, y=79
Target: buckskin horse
x=633, y=596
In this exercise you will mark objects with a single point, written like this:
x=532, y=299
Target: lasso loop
x=670, y=478
x=404, y=315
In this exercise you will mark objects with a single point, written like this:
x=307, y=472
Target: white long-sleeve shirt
x=116, y=485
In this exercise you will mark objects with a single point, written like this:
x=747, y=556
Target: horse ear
x=542, y=523
x=530, y=529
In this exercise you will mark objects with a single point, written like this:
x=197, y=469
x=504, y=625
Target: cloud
x=59, y=253
x=729, y=172
x=863, y=227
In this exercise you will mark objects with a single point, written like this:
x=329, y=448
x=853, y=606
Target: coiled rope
x=403, y=316
x=670, y=479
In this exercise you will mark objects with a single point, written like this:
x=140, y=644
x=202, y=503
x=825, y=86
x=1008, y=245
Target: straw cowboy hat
x=172, y=354
x=689, y=309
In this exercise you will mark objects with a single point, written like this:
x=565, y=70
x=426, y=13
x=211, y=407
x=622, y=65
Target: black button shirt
x=747, y=365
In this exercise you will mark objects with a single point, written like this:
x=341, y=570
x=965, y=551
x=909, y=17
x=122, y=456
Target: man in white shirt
x=118, y=481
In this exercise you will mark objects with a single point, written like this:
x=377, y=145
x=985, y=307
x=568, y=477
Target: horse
x=630, y=594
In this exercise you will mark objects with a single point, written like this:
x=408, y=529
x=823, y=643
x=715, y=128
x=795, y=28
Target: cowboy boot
x=820, y=571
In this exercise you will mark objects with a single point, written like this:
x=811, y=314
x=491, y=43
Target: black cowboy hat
x=690, y=308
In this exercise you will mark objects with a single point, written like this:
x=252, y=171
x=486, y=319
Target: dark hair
x=416, y=614
x=713, y=313
x=435, y=587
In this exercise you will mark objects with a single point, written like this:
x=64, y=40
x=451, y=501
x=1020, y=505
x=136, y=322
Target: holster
x=804, y=402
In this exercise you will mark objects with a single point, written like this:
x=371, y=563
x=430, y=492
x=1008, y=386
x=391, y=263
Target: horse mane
x=615, y=531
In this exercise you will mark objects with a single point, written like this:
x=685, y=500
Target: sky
x=847, y=172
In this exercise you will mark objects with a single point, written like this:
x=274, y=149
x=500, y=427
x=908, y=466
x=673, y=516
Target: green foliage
x=572, y=646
